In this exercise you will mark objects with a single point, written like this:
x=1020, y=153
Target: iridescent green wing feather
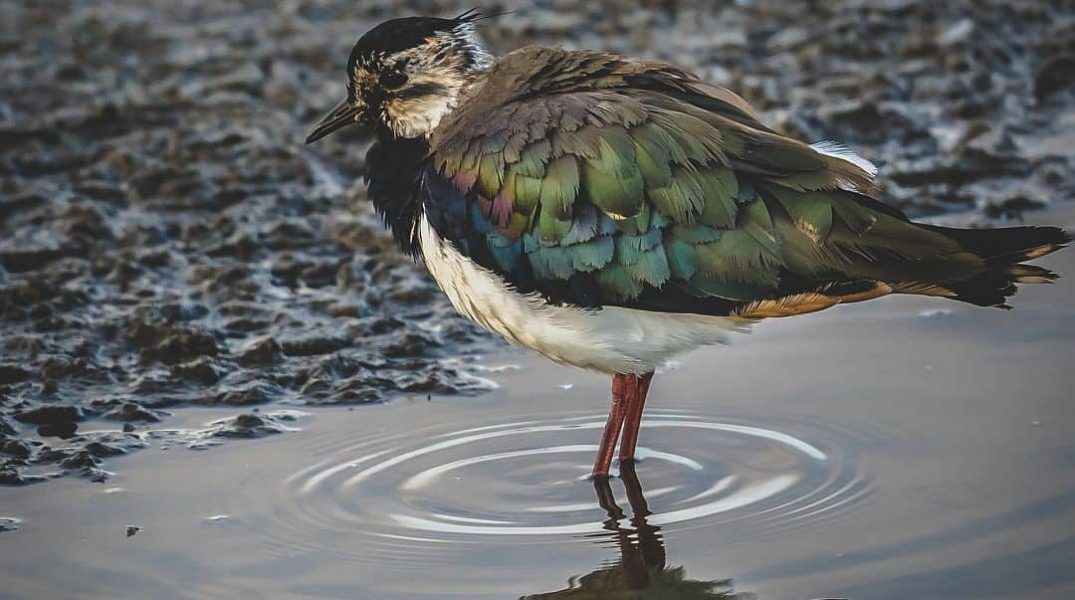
x=634, y=184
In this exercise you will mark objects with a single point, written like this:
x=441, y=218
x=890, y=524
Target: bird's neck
x=393, y=166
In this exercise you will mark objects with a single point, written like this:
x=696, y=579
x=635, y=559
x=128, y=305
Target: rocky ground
x=166, y=240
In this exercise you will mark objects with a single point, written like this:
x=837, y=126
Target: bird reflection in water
x=642, y=571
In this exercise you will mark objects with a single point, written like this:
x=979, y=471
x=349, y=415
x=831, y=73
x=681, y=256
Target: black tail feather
x=1007, y=245
x=1004, y=250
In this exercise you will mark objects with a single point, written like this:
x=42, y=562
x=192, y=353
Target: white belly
x=609, y=339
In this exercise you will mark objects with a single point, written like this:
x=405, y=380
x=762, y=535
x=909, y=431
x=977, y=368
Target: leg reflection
x=642, y=569
x=641, y=546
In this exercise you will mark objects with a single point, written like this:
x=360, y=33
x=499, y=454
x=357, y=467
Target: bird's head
x=405, y=75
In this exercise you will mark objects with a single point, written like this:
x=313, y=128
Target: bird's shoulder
x=542, y=75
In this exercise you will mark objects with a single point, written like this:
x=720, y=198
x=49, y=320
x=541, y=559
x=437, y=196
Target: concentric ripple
x=525, y=481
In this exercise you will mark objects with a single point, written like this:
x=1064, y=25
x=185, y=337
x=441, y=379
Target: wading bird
x=609, y=212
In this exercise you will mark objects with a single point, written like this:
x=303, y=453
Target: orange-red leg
x=625, y=415
x=620, y=386
x=636, y=402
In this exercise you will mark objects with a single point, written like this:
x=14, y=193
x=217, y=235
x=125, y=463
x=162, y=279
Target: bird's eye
x=393, y=81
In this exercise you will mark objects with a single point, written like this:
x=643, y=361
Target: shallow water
x=901, y=448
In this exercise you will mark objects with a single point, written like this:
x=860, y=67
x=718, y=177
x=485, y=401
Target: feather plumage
x=632, y=183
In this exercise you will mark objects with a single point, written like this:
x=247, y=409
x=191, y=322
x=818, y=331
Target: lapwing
x=610, y=212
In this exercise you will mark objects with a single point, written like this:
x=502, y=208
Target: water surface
x=901, y=448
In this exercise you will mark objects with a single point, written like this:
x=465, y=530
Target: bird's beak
x=343, y=114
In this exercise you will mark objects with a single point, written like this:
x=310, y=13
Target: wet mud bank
x=167, y=241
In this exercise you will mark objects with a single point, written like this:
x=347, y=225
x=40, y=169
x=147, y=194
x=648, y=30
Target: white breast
x=610, y=339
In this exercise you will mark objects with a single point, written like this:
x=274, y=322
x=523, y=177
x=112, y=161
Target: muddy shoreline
x=166, y=240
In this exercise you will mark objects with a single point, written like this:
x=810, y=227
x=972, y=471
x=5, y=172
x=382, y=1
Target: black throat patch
x=393, y=171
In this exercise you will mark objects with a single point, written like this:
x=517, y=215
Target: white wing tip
x=842, y=152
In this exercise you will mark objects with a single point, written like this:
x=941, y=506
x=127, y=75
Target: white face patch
x=416, y=117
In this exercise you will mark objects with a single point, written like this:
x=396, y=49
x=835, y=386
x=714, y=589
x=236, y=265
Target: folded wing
x=635, y=184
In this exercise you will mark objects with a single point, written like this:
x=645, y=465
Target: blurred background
x=168, y=242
